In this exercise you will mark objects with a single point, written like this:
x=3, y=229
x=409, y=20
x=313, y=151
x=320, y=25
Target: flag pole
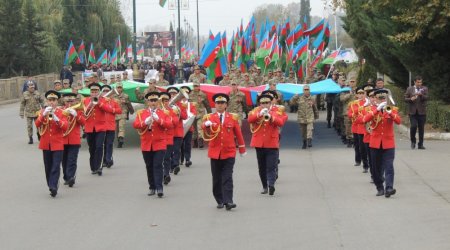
x=333, y=62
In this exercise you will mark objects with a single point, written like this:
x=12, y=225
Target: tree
x=11, y=37
x=305, y=12
x=34, y=41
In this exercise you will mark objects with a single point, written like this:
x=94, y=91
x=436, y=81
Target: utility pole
x=180, y=69
x=198, y=34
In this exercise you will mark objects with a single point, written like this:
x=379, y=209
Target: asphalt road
x=321, y=202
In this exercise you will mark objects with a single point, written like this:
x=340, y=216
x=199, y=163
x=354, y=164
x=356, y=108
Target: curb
x=427, y=136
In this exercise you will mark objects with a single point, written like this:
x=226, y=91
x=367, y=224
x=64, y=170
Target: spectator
x=417, y=96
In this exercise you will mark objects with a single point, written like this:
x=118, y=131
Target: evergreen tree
x=11, y=42
x=305, y=11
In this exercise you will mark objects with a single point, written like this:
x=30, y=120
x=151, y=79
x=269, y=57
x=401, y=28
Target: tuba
x=182, y=94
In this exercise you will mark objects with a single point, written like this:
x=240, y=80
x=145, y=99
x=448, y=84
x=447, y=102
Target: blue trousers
x=167, y=162
x=222, y=174
x=360, y=150
x=383, y=164
x=369, y=156
x=52, y=162
x=108, y=146
x=267, y=165
x=186, y=147
x=154, y=166
x=177, y=141
x=95, y=142
x=69, y=161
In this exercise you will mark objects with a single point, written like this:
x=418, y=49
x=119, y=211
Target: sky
x=214, y=15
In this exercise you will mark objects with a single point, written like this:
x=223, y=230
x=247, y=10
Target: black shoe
x=160, y=193
x=229, y=206
x=264, y=191
x=271, y=190
x=421, y=147
x=99, y=172
x=278, y=161
x=349, y=143
x=329, y=125
x=94, y=172
x=71, y=182
x=176, y=170
x=389, y=192
x=120, y=142
x=357, y=164
x=30, y=141
x=413, y=145
x=53, y=192
x=304, y=144
x=380, y=192
x=84, y=135
x=220, y=205
x=365, y=170
x=188, y=163
x=181, y=162
x=309, y=143
x=167, y=179
x=109, y=165
x=152, y=192
x=66, y=182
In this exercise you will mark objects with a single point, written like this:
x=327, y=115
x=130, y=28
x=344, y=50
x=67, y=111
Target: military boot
x=304, y=144
x=195, y=144
x=30, y=141
x=349, y=143
x=200, y=143
x=329, y=124
x=38, y=136
x=309, y=142
x=120, y=142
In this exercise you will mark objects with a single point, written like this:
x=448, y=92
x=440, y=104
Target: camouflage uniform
x=203, y=108
x=140, y=96
x=225, y=82
x=200, y=78
x=306, y=114
x=277, y=80
x=124, y=101
x=291, y=79
x=162, y=81
x=337, y=109
x=30, y=104
x=246, y=83
x=345, y=99
x=237, y=104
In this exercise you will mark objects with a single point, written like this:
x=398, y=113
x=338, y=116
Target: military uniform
x=202, y=106
x=124, y=101
x=30, y=104
x=197, y=78
x=140, y=96
x=346, y=98
x=257, y=78
x=237, y=104
x=246, y=81
x=306, y=114
x=161, y=81
x=225, y=82
x=221, y=130
x=291, y=79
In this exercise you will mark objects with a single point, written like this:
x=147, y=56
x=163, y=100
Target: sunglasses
x=306, y=89
x=264, y=102
x=220, y=102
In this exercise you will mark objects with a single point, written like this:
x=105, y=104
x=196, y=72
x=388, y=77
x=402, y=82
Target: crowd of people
x=177, y=120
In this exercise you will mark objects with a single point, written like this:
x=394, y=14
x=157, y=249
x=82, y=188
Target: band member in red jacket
x=72, y=140
x=180, y=110
x=354, y=111
x=265, y=125
x=382, y=142
x=220, y=129
x=151, y=124
x=110, y=125
x=186, y=145
x=95, y=127
x=51, y=124
x=169, y=133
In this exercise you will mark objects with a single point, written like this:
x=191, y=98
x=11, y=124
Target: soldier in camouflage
x=346, y=98
x=237, y=103
x=124, y=101
x=151, y=88
x=279, y=78
x=246, y=82
x=226, y=80
x=197, y=77
x=279, y=98
x=307, y=113
x=291, y=78
x=201, y=103
x=161, y=81
x=30, y=103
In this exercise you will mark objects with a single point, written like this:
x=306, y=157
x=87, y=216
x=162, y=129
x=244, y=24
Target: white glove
x=263, y=111
x=367, y=102
x=55, y=118
x=47, y=110
x=381, y=106
x=148, y=120
x=244, y=154
x=208, y=123
x=72, y=112
x=190, y=114
x=155, y=116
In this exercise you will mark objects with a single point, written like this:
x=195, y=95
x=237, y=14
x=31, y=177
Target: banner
x=156, y=40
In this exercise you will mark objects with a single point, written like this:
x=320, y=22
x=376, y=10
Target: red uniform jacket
x=72, y=134
x=355, y=111
x=173, y=123
x=179, y=130
x=265, y=134
x=96, y=119
x=51, y=131
x=382, y=127
x=152, y=139
x=110, y=117
x=221, y=136
x=366, y=138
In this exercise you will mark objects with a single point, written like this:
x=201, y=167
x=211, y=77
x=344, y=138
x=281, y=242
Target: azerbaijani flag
x=81, y=53
x=210, y=51
x=140, y=52
x=118, y=44
x=103, y=58
x=71, y=54
x=331, y=58
x=113, y=57
x=91, y=58
x=162, y=3
x=301, y=50
x=129, y=52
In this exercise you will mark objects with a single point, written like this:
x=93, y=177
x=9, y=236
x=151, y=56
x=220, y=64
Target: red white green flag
x=71, y=54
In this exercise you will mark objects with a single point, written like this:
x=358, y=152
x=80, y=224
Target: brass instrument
x=78, y=106
x=266, y=116
x=95, y=100
x=182, y=94
x=50, y=115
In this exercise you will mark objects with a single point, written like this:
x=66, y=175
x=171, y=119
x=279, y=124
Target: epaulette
x=166, y=111
x=184, y=105
x=139, y=111
x=234, y=116
x=205, y=117
x=38, y=113
x=281, y=108
x=395, y=109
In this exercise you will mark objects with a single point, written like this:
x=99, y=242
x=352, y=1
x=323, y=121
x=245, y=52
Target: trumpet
x=182, y=94
x=78, y=106
x=95, y=100
x=50, y=115
x=266, y=116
